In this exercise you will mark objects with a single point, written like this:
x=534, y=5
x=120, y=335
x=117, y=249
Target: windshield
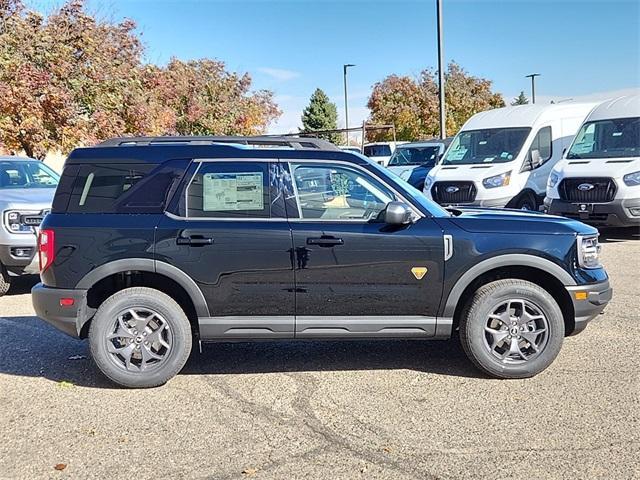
x=415, y=156
x=491, y=145
x=618, y=137
x=377, y=150
x=26, y=174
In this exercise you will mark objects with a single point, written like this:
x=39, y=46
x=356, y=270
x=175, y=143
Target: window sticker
x=617, y=134
x=457, y=154
x=232, y=191
x=584, y=147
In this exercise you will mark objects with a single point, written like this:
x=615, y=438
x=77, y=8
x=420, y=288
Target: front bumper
x=19, y=259
x=616, y=213
x=596, y=297
x=70, y=320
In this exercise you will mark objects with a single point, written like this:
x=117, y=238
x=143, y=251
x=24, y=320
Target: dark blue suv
x=154, y=243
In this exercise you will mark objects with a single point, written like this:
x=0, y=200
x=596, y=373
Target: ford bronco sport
x=26, y=192
x=153, y=243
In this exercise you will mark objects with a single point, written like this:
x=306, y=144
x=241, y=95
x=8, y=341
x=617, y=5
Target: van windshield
x=26, y=174
x=619, y=137
x=490, y=145
x=415, y=156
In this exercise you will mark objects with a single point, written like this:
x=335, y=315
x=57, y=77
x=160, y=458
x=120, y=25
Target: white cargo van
x=503, y=157
x=380, y=152
x=598, y=181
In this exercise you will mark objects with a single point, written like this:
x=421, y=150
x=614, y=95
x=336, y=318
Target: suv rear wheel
x=5, y=280
x=140, y=337
x=512, y=329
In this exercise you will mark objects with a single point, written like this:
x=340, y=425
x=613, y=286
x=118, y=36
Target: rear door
x=355, y=275
x=230, y=235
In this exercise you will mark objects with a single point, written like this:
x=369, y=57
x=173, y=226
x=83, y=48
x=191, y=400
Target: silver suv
x=27, y=187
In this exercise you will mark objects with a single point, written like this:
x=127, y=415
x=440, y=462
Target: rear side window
x=230, y=190
x=121, y=188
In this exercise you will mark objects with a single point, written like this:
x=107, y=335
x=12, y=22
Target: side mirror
x=535, y=159
x=397, y=213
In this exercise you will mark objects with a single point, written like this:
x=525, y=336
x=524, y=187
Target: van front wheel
x=512, y=329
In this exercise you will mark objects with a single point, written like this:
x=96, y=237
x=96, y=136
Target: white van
x=503, y=157
x=380, y=152
x=598, y=181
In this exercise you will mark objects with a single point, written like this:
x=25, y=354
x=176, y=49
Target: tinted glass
x=542, y=143
x=607, y=139
x=333, y=192
x=415, y=156
x=492, y=145
x=26, y=174
x=229, y=190
x=377, y=150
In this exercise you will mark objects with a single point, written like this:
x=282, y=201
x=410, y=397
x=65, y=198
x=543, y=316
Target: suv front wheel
x=140, y=337
x=5, y=280
x=512, y=329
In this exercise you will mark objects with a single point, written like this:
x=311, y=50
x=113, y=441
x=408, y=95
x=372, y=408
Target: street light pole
x=346, y=105
x=533, y=85
x=443, y=119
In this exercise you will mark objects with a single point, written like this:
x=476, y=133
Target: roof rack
x=297, y=143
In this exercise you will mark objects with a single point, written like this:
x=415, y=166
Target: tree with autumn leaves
x=412, y=105
x=71, y=79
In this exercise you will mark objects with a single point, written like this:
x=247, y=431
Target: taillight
x=46, y=248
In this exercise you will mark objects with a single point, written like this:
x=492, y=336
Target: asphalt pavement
x=334, y=410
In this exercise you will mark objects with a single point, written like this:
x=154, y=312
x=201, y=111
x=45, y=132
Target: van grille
x=587, y=190
x=452, y=193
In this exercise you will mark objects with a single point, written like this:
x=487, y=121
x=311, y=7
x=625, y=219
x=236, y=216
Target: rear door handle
x=194, y=240
x=325, y=241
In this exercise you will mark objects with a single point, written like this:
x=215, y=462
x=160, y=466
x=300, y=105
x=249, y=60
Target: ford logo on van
x=585, y=187
x=452, y=189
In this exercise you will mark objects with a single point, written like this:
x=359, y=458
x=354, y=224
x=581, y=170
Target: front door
x=232, y=238
x=355, y=275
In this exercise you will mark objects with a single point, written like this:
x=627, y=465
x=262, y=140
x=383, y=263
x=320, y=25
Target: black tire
x=5, y=280
x=174, y=322
x=527, y=202
x=475, y=340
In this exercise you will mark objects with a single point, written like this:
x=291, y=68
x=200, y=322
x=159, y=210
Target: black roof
x=161, y=149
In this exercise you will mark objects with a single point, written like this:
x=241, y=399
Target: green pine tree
x=520, y=100
x=321, y=114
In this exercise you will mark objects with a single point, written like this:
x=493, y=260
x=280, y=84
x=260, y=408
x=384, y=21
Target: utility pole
x=443, y=119
x=533, y=85
x=346, y=105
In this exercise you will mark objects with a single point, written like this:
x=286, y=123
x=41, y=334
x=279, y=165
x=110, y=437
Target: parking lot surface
x=404, y=409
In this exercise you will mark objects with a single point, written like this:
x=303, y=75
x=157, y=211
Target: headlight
x=553, y=179
x=501, y=180
x=632, y=179
x=588, y=252
x=427, y=183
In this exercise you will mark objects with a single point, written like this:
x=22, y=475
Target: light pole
x=346, y=106
x=443, y=119
x=533, y=85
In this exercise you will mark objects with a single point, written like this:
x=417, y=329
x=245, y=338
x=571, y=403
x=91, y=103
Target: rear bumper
x=70, y=320
x=598, y=295
x=616, y=213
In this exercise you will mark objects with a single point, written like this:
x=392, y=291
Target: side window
x=541, y=143
x=335, y=192
x=229, y=190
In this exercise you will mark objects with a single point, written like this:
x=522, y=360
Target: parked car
x=380, y=152
x=155, y=242
x=503, y=157
x=27, y=187
x=598, y=181
x=413, y=161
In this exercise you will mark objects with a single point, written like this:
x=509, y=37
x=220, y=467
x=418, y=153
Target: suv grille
x=453, y=192
x=587, y=190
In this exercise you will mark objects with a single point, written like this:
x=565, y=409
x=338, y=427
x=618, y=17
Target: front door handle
x=325, y=241
x=194, y=240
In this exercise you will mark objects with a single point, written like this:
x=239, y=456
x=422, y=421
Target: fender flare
x=509, y=260
x=149, y=265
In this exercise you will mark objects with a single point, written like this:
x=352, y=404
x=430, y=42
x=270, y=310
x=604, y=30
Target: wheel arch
x=112, y=277
x=537, y=270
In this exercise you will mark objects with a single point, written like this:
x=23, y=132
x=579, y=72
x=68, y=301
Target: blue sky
x=583, y=49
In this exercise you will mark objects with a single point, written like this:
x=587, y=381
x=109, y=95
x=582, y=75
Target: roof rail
x=297, y=143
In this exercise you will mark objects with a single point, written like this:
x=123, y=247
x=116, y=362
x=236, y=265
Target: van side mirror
x=535, y=159
x=397, y=213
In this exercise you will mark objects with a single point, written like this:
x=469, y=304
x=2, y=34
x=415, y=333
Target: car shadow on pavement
x=35, y=349
x=612, y=235
x=22, y=285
